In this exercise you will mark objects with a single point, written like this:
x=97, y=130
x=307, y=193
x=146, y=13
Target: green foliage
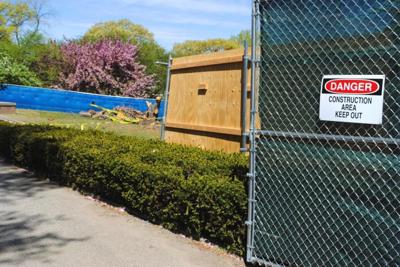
x=126, y=31
x=25, y=47
x=23, y=44
x=47, y=62
x=15, y=17
x=189, y=48
x=22, y=41
x=149, y=53
x=194, y=47
x=242, y=36
x=16, y=73
x=5, y=30
x=39, y=55
x=120, y=30
x=187, y=190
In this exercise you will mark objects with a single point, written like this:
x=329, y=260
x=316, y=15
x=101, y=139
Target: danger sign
x=352, y=98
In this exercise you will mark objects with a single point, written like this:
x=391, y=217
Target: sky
x=171, y=21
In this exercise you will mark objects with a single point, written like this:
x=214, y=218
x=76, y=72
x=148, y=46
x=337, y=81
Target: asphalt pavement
x=43, y=224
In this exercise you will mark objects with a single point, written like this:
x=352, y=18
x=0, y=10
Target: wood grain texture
x=203, y=128
x=207, y=118
x=204, y=140
x=226, y=57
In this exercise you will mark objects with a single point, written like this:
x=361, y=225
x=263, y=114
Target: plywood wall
x=205, y=101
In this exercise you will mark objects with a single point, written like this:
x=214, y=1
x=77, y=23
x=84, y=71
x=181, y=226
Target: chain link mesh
x=322, y=199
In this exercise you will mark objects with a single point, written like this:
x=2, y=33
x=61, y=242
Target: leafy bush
x=105, y=67
x=16, y=73
x=187, y=190
x=40, y=56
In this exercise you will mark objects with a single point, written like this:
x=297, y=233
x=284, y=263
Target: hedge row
x=187, y=190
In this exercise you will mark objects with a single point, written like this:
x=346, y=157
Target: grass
x=71, y=120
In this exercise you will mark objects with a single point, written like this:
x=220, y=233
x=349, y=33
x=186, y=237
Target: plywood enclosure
x=204, y=106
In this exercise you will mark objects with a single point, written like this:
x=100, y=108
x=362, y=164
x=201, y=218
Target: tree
x=5, y=29
x=40, y=12
x=241, y=37
x=128, y=32
x=105, y=67
x=20, y=18
x=196, y=47
x=23, y=43
x=16, y=73
x=191, y=47
x=121, y=30
x=18, y=15
x=47, y=62
x=148, y=55
x=40, y=55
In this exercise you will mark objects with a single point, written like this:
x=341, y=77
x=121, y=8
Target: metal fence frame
x=254, y=134
x=166, y=96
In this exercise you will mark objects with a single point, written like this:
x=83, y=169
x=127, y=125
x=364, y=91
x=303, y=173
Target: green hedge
x=187, y=190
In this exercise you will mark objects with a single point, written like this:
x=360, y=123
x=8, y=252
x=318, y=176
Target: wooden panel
x=226, y=57
x=207, y=117
x=205, y=128
x=207, y=141
x=219, y=106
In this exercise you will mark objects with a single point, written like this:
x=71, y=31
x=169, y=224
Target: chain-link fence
x=324, y=193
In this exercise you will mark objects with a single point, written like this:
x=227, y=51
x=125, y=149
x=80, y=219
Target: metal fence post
x=252, y=135
x=166, y=96
x=243, y=118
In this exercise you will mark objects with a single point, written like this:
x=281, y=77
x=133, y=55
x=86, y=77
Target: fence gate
x=324, y=193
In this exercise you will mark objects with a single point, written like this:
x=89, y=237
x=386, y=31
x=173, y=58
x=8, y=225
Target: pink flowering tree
x=106, y=67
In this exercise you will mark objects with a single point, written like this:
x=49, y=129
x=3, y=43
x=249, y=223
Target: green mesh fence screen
x=326, y=193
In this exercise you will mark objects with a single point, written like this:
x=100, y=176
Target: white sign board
x=352, y=98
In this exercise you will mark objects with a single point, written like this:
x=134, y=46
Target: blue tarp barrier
x=66, y=101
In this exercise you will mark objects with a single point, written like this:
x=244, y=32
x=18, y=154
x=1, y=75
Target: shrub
x=187, y=190
x=16, y=73
x=42, y=57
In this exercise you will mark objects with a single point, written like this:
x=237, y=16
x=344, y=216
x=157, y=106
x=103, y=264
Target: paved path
x=42, y=224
